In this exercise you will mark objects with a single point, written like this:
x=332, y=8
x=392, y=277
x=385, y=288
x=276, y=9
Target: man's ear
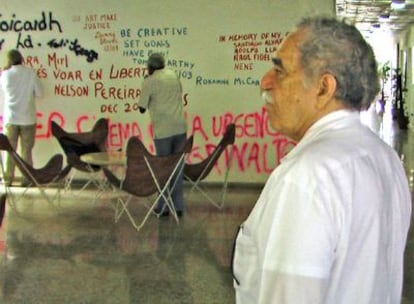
x=327, y=90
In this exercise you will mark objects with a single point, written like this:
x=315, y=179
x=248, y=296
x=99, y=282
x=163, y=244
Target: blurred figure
x=162, y=95
x=331, y=223
x=20, y=85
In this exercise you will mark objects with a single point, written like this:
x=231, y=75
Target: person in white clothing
x=331, y=223
x=20, y=86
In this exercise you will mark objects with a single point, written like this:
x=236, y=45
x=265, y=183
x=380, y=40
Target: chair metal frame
x=196, y=173
x=76, y=144
x=3, y=198
x=51, y=174
x=146, y=175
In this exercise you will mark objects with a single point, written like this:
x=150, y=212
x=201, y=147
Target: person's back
x=20, y=86
x=163, y=92
x=166, y=110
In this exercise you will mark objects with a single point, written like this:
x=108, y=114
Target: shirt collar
x=335, y=120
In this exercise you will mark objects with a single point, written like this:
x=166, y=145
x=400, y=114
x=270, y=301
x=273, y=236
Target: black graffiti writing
x=45, y=23
x=73, y=45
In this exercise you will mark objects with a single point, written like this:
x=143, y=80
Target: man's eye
x=279, y=71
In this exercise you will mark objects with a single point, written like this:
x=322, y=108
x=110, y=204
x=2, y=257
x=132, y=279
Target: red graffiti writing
x=256, y=148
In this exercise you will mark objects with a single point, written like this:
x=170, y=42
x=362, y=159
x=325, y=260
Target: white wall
x=91, y=58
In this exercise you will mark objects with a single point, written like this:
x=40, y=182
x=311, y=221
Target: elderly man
x=331, y=223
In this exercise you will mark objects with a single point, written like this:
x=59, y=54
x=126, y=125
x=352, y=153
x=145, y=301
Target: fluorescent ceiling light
x=384, y=17
x=398, y=4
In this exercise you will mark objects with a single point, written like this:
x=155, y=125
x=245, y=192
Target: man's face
x=291, y=104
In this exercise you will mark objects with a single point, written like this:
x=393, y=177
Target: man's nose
x=267, y=80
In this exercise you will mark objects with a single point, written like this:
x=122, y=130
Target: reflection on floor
x=77, y=254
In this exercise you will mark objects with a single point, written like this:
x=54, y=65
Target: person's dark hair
x=14, y=57
x=155, y=62
x=335, y=47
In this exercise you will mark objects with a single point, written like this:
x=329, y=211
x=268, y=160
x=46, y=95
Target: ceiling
x=376, y=15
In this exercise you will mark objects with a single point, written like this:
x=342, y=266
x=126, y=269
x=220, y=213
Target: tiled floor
x=77, y=254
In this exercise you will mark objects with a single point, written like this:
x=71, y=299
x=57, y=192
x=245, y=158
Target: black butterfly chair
x=50, y=176
x=196, y=173
x=146, y=175
x=75, y=145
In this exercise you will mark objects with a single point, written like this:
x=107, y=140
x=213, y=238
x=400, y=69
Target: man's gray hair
x=155, y=62
x=335, y=47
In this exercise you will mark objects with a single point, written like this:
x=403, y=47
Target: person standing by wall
x=20, y=86
x=331, y=223
x=162, y=95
